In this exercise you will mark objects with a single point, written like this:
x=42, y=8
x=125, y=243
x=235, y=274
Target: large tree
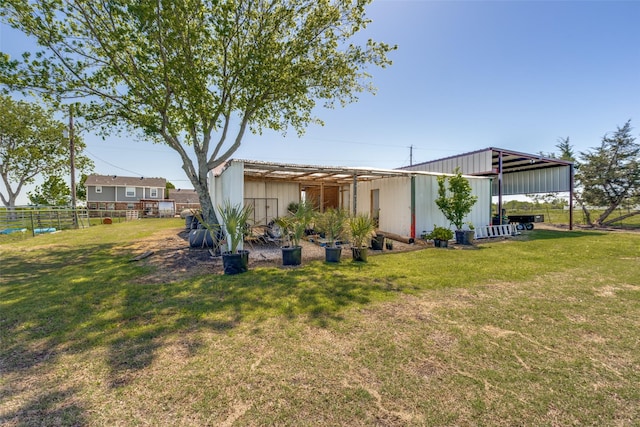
x=32, y=144
x=197, y=74
x=609, y=175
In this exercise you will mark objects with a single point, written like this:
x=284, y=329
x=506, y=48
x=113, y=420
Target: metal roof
x=313, y=173
x=512, y=161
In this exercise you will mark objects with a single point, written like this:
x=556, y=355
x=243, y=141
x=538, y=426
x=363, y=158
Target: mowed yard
x=540, y=330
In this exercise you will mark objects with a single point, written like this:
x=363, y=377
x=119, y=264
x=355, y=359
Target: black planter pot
x=359, y=254
x=200, y=238
x=377, y=243
x=194, y=223
x=235, y=263
x=188, y=220
x=464, y=237
x=332, y=254
x=291, y=255
x=440, y=243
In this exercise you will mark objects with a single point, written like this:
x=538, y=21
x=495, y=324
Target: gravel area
x=172, y=259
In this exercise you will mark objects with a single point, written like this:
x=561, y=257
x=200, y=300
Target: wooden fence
x=41, y=220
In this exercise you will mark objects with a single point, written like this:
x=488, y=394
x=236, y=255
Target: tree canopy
x=53, y=192
x=609, y=174
x=32, y=143
x=197, y=74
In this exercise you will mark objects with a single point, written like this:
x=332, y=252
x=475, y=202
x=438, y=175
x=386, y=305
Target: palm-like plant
x=332, y=223
x=361, y=230
x=234, y=219
x=301, y=219
x=295, y=224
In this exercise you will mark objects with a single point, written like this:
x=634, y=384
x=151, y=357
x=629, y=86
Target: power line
x=111, y=164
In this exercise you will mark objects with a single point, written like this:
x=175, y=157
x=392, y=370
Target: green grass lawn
x=540, y=330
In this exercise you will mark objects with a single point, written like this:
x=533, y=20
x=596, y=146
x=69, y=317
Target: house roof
x=125, y=181
x=180, y=195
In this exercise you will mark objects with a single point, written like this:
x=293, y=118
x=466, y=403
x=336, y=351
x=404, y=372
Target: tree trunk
x=587, y=214
x=605, y=214
x=206, y=205
x=621, y=217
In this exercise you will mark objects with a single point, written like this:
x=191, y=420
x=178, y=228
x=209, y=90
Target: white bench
x=492, y=231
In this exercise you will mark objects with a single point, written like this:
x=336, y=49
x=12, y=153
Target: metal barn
x=402, y=202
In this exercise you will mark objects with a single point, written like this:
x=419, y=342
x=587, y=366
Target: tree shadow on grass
x=48, y=408
x=73, y=300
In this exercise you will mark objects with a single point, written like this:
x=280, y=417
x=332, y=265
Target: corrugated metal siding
x=481, y=213
x=428, y=213
x=394, y=203
x=547, y=180
x=228, y=186
x=285, y=192
x=232, y=184
x=469, y=164
x=345, y=197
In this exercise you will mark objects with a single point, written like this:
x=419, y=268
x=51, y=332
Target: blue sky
x=467, y=75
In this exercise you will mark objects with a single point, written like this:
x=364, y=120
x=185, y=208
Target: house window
x=154, y=193
x=98, y=188
x=130, y=192
x=131, y=206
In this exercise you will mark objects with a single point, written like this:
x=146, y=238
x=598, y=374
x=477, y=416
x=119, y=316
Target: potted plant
x=234, y=222
x=332, y=223
x=440, y=236
x=361, y=230
x=455, y=201
x=293, y=228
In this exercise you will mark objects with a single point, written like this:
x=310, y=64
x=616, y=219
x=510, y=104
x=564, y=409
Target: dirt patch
x=173, y=259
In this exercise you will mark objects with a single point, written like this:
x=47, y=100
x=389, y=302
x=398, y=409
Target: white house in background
x=402, y=202
x=112, y=192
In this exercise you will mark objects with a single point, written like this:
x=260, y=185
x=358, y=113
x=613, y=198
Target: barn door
x=375, y=207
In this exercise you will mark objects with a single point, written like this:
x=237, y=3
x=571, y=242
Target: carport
x=512, y=172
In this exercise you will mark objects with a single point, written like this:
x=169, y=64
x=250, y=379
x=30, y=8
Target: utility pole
x=72, y=161
x=411, y=155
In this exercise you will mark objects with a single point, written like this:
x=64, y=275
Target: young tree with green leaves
x=168, y=186
x=196, y=75
x=53, y=192
x=454, y=198
x=32, y=143
x=81, y=189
